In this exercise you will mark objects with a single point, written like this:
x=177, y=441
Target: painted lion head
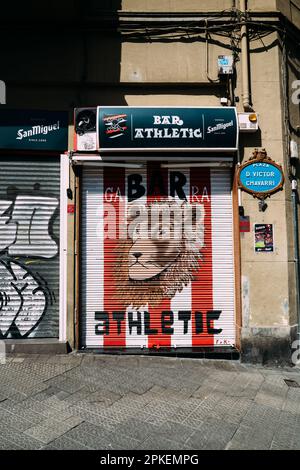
x=161, y=252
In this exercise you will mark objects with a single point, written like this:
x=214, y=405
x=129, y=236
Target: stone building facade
x=165, y=53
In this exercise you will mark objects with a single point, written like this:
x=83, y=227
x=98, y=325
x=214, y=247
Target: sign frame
x=260, y=156
x=167, y=149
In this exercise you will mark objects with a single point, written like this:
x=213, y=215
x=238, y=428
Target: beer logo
x=37, y=130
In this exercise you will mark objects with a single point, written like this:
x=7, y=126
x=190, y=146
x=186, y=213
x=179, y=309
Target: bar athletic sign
x=150, y=129
x=260, y=176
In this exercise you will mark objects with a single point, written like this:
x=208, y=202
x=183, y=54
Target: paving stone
x=157, y=420
x=175, y=431
x=84, y=405
x=272, y=392
x=268, y=399
x=120, y=442
x=258, y=415
x=64, y=443
x=238, y=411
x=287, y=432
x=143, y=399
x=14, y=421
x=155, y=392
x=204, y=391
x=69, y=385
x=159, y=443
x=203, y=411
x=185, y=409
x=212, y=435
x=292, y=402
x=104, y=396
x=45, y=410
x=252, y=438
x=141, y=387
x=20, y=411
x=284, y=439
x=68, y=360
x=224, y=365
x=137, y=429
x=18, y=438
x=75, y=397
x=127, y=407
x=97, y=420
x=31, y=389
x=160, y=408
x=51, y=391
x=8, y=445
x=121, y=402
x=101, y=441
x=50, y=429
x=106, y=414
x=94, y=430
x=230, y=409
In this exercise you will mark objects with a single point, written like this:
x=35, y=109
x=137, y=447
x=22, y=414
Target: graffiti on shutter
x=26, y=220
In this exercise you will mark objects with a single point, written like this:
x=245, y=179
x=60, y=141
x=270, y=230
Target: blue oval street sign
x=261, y=178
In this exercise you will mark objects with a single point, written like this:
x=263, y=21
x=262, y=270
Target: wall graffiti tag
x=26, y=237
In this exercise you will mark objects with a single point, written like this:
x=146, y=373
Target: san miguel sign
x=176, y=129
x=260, y=176
x=33, y=130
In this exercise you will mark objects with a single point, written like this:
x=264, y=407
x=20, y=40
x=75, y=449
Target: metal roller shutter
x=29, y=246
x=140, y=292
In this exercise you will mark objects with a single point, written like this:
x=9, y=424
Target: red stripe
x=202, y=286
x=74, y=134
x=155, y=172
x=114, y=181
x=115, y=131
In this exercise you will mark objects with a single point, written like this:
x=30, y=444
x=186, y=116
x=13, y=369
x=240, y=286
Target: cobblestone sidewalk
x=128, y=402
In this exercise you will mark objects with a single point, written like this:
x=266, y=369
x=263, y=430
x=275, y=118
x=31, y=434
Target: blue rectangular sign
x=161, y=129
x=33, y=130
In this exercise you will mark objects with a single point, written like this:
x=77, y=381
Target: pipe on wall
x=245, y=59
x=295, y=202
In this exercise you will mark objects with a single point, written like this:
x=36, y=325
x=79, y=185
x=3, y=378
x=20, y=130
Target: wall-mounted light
x=262, y=205
x=252, y=117
x=294, y=150
x=69, y=193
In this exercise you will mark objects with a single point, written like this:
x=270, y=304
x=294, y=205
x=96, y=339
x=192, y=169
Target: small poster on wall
x=264, y=238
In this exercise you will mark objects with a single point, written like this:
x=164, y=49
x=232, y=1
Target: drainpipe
x=245, y=58
x=296, y=246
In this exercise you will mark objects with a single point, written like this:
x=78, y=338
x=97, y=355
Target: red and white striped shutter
x=209, y=297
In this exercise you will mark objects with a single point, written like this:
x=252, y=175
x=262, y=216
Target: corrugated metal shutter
x=92, y=267
x=29, y=246
x=139, y=292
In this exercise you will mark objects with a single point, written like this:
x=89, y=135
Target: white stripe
x=63, y=260
x=133, y=340
x=182, y=300
x=92, y=294
x=222, y=255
